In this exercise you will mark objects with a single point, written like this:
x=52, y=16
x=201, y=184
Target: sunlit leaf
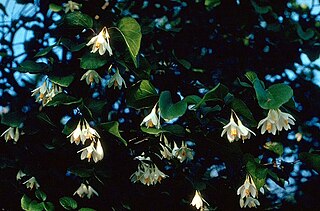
x=63, y=81
x=25, y=202
x=63, y=99
x=275, y=147
x=113, y=128
x=68, y=203
x=40, y=195
x=78, y=19
x=141, y=95
x=55, y=8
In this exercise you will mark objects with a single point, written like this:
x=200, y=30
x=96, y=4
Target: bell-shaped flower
x=245, y=133
x=85, y=190
x=165, y=152
x=276, y=120
x=98, y=154
x=197, y=200
x=152, y=119
x=232, y=130
x=20, y=174
x=182, y=153
x=251, y=202
x=71, y=6
x=101, y=42
x=41, y=90
x=11, y=134
x=117, y=81
x=248, y=188
x=92, y=152
x=91, y=191
x=91, y=77
x=32, y=182
x=77, y=135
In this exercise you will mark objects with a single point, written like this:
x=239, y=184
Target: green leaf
x=78, y=19
x=168, y=109
x=68, y=203
x=63, y=81
x=176, y=130
x=25, y=202
x=252, y=76
x=258, y=173
x=44, y=51
x=305, y=35
x=131, y=32
x=55, y=8
x=32, y=67
x=210, y=4
x=184, y=63
x=278, y=94
x=92, y=61
x=70, y=126
x=78, y=47
x=35, y=206
x=312, y=160
x=261, y=9
x=63, y=99
x=113, y=128
x=40, y=195
x=12, y=119
x=48, y=206
x=141, y=95
x=86, y=209
x=217, y=93
x=242, y=109
x=275, y=147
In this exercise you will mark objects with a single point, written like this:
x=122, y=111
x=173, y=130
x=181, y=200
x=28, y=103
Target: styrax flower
x=71, y=6
x=197, y=200
x=46, y=92
x=183, y=152
x=11, y=134
x=152, y=119
x=101, y=42
x=117, y=80
x=248, y=193
x=85, y=190
x=276, y=120
x=91, y=77
x=92, y=152
x=235, y=131
x=32, y=182
x=20, y=174
x=83, y=132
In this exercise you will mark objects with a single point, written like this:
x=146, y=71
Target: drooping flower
x=182, y=153
x=20, y=174
x=251, y=202
x=92, y=152
x=41, y=90
x=276, y=120
x=46, y=92
x=91, y=77
x=85, y=190
x=147, y=173
x=71, y=6
x=117, y=81
x=77, y=135
x=197, y=200
x=152, y=119
x=248, y=193
x=32, y=182
x=101, y=42
x=11, y=134
x=83, y=132
x=235, y=131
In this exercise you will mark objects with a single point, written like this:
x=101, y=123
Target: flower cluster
x=236, y=131
x=82, y=133
x=46, y=92
x=276, y=120
x=248, y=193
x=11, y=134
x=181, y=153
x=147, y=173
x=85, y=190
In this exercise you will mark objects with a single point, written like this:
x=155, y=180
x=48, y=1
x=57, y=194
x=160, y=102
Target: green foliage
x=257, y=171
x=78, y=20
x=113, y=128
x=40, y=195
x=92, y=61
x=275, y=147
x=311, y=159
x=86, y=209
x=32, y=67
x=25, y=202
x=218, y=93
x=176, y=130
x=210, y=4
x=141, y=95
x=305, y=35
x=63, y=81
x=63, y=99
x=68, y=203
x=241, y=108
x=55, y=8
x=12, y=119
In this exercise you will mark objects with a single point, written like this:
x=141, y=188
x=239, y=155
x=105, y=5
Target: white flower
x=11, y=134
x=147, y=174
x=165, y=152
x=71, y=6
x=235, y=131
x=117, y=80
x=232, y=130
x=247, y=188
x=152, y=119
x=20, y=174
x=91, y=152
x=41, y=90
x=91, y=76
x=251, y=202
x=83, y=190
x=197, y=200
x=32, y=182
x=99, y=154
x=83, y=132
x=46, y=92
x=77, y=135
x=182, y=153
x=276, y=120
x=101, y=42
